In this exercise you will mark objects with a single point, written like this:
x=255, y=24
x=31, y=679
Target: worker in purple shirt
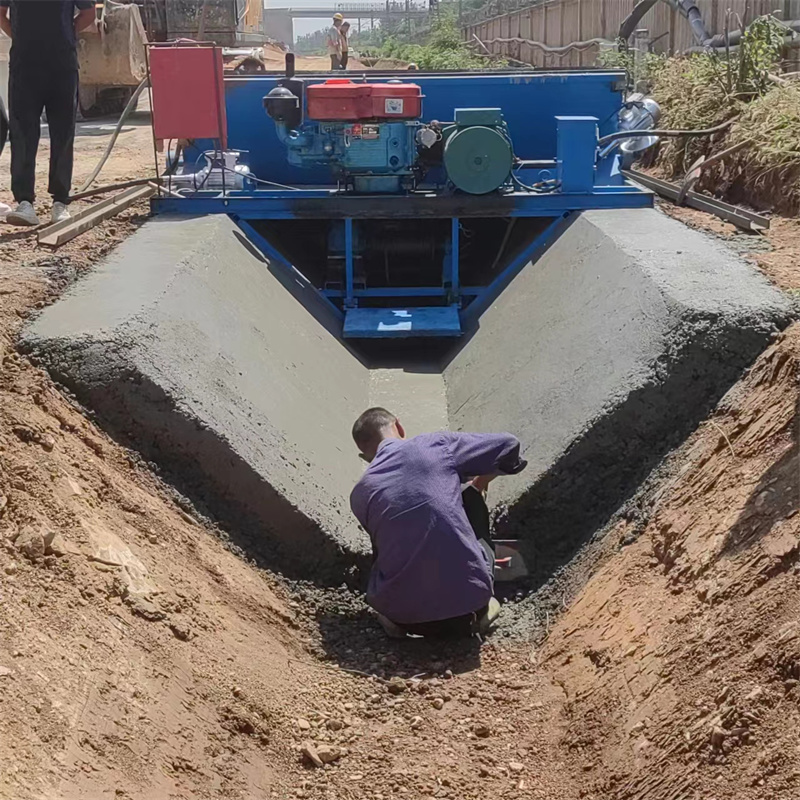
x=433, y=563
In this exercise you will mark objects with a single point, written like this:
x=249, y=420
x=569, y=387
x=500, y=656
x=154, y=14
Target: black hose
x=631, y=22
x=735, y=37
x=688, y=8
x=615, y=137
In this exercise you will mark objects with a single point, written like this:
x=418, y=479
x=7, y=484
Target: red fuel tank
x=341, y=99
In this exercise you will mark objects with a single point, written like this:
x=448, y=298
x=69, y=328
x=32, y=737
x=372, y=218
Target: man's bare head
x=372, y=427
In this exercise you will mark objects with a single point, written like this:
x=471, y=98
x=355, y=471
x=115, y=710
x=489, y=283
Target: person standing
x=43, y=75
x=344, y=32
x=334, y=42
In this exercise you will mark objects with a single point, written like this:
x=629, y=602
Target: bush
x=706, y=89
x=443, y=50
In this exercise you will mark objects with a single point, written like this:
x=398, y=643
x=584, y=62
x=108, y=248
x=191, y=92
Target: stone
x=30, y=542
x=396, y=686
x=144, y=607
x=334, y=724
x=48, y=442
x=438, y=703
x=181, y=630
x=310, y=752
x=516, y=766
x=4, y=671
x=107, y=548
x=481, y=731
x=3, y=504
x=304, y=724
x=416, y=723
x=329, y=753
x=54, y=544
x=11, y=568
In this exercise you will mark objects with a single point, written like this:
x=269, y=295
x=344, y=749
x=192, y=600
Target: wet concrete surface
x=230, y=376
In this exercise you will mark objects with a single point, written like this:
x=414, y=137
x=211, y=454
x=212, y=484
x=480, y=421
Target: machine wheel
x=96, y=101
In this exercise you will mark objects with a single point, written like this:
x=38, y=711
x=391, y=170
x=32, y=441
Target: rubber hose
x=631, y=22
x=688, y=8
x=125, y=114
x=615, y=137
x=735, y=37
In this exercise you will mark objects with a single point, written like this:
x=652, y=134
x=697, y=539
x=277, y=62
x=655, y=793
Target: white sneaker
x=489, y=616
x=23, y=214
x=60, y=213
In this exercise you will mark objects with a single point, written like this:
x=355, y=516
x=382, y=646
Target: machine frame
x=554, y=117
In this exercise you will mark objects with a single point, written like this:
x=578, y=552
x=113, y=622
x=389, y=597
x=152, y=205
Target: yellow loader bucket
x=117, y=57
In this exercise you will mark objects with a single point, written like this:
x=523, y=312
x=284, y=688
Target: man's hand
x=5, y=22
x=481, y=483
x=86, y=21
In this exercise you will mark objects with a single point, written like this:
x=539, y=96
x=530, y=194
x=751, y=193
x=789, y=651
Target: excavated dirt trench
x=672, y=673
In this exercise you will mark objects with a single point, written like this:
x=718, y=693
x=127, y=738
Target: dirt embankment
x=140, y=658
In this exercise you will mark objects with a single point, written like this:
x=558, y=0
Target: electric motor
x=478, y=155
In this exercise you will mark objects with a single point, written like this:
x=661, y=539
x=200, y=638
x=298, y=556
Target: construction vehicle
x=113, y=64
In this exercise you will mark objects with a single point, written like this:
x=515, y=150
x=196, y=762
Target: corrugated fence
x=556, y=23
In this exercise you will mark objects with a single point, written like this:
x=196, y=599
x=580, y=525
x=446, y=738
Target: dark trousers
x=31, y=90
x=336, y=62
x=343, y=61
x=459, y=627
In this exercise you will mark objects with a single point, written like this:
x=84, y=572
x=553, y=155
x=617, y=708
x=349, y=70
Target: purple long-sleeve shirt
x=428, y=565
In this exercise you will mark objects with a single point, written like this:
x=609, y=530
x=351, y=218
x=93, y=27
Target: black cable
x=615, y=137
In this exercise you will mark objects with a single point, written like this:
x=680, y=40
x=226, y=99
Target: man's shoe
x=489, y=616
x=23, y=214
x=60, y=213
x=392, y=630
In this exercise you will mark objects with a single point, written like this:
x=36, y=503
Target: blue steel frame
x=564, y=144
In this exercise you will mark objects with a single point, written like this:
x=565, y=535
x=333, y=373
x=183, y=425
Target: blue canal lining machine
x=407, y=200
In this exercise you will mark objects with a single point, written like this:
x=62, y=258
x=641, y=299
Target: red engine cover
x=344, y=100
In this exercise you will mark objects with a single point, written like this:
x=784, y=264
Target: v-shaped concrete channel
x=232, y=377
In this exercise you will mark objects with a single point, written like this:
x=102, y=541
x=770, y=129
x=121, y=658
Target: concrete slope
x=602, y=356
x=192, y=350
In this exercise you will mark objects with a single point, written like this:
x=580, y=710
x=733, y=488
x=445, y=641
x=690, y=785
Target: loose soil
x=140, y=658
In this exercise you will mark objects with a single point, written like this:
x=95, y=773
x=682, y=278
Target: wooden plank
x=60, y=232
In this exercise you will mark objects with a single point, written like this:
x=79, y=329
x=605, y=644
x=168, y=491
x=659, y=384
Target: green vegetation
x=443, y=49
x=622, y=57
x=741, y=84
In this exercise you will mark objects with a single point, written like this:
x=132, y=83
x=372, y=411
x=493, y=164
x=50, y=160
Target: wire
x=228, y=169
x=545, y=187
x=268, y=183
x=613, y=137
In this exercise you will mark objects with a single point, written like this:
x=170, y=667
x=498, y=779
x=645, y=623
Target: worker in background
x=43, y=75
x=335, y=42
x=344, y=32
x=421, y=501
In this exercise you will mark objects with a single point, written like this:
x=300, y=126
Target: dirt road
x=140, y=658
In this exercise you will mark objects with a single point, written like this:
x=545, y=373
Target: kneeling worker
x=433, y=566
